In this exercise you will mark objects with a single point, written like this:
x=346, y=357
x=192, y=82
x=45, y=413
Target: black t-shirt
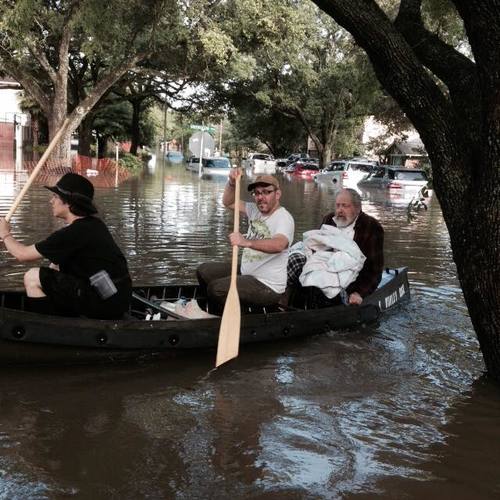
x=84, y=248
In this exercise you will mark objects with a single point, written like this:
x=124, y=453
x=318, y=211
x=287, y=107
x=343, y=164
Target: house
x=409, y=153
x=14, y=124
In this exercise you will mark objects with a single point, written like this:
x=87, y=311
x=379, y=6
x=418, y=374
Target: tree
x=279, y=133
x=290, y=58
x=41, y=41
x=453, y=100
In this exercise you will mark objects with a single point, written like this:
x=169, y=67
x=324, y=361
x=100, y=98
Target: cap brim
x=255, y=184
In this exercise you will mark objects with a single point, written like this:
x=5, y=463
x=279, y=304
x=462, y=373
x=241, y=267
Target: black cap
x=75, y=190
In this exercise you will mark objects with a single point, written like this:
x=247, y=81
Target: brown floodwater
x=400, y=409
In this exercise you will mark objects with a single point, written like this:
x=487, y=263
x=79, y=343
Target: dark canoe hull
x=33, y=338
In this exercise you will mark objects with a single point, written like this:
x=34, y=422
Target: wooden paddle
x=229, y=333
x=36, y=170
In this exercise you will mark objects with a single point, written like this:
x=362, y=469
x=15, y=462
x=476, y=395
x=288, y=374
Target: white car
x=193, y=164
x=259, y=163
x=345, y=173
x=396, y=178
x=217, y=166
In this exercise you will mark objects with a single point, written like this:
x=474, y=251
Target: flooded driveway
x=397, y=410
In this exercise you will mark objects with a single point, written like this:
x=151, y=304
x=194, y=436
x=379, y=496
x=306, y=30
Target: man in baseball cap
x=262, y=274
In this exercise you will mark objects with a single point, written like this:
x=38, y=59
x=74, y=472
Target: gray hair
x=355, y=197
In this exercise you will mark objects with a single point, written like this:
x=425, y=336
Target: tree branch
x=27, y=82
x=40, y=56
x=454, y=69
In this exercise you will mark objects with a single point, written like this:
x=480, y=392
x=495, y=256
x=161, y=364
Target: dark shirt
x=83, y=248
x=369, y=236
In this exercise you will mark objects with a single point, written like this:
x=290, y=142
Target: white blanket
x=333, y=260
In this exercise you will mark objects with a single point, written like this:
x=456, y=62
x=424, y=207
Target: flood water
x=400, y=409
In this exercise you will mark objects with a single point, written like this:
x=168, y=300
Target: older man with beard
x=366, y=231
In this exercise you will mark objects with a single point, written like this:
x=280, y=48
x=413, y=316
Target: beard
x=341, y=222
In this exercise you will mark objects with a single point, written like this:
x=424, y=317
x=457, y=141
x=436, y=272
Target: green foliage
x=112, y=119
x=131, y=162
x=302, y=66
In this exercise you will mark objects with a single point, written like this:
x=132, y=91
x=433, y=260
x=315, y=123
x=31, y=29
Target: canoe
x=30, y=338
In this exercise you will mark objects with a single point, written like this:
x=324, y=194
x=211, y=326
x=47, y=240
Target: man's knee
x=210, y=271
x=201, y=272
x=32, y=282
x=32, y=277
x=218, y=289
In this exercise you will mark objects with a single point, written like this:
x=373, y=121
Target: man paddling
x=262, y=275
x=88, y=275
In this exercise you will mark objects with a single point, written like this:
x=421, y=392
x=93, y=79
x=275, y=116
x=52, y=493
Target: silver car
x=345, y=173
x=396, y=178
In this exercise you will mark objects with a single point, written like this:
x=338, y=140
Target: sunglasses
x=263, y=192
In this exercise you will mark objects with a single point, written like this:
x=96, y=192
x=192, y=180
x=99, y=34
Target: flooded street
x=397, y=410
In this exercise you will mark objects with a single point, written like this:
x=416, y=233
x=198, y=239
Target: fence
x=103, y=172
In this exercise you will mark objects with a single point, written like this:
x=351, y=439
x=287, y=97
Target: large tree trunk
x=85, y=135
x=460, y=129
x=135, y=129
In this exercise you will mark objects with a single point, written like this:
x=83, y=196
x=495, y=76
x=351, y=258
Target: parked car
x=259, y=163
x=174, y=156
x=281, y=164
x=290, y=168
x=306, y=168
x=217, y=166
x=193, y=164
x=396, y=178
x=296, y=156
x=346, y=173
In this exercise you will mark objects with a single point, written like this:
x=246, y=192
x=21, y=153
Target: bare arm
x=276, y=244
x=22, y=253
x=228, y=196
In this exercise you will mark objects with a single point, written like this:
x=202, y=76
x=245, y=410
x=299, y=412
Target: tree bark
x=85, y=135
x=135, y=128
x=460, y=129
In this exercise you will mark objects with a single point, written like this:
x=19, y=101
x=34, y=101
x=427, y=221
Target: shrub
x=131, y=162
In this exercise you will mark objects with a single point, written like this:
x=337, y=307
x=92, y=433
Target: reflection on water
x=395, y=410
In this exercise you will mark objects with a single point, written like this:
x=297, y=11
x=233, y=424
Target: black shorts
x=73, y=296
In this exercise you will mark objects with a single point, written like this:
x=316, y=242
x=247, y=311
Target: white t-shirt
x=268, y=268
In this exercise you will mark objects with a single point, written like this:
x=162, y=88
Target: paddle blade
x=229, y=333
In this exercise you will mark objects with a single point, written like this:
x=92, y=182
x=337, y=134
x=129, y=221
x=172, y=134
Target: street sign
x=201, y=140
x=204, y=128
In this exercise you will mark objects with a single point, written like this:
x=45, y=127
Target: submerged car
x=259, y=163
x=174, y=156
x=216, y=166
x=193, y=164
x=346, y=173
x=396, y=178
x=306, y=168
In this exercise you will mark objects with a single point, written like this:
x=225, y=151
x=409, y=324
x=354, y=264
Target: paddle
x=229, y=333
x=37, y=169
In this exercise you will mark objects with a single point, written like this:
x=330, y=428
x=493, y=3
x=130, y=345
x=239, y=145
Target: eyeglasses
x=263, y=192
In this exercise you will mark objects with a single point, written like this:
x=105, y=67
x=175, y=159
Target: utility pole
x=220, y=137
x=165, y=129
